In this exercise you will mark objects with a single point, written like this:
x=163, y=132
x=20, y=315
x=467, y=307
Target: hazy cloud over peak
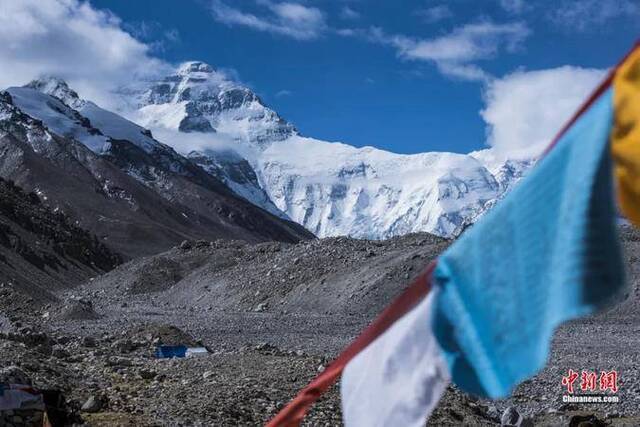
x=456, y=53
x=72, y=40
x=288, y=19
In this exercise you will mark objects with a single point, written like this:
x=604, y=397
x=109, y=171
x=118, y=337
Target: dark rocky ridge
x=42, y=251
x=137, y=202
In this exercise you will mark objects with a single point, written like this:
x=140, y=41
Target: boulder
x=92, y=404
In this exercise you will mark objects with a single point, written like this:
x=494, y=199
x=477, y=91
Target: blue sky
x=408, y=76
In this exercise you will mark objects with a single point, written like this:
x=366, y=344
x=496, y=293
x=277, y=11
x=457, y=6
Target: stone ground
x=272, y=315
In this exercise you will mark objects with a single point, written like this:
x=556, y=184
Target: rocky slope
x=330, y=188
x=273, y=314
x=137, y=194
x=42, y=251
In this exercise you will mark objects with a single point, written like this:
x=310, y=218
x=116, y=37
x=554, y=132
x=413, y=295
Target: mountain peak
x=190, y=67
x=196, y=97
x=55, y=86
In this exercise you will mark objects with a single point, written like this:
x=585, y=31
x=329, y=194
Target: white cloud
x=282, y=93
x=172, y=35
x=585, y=14
x=153, y=34
x=348, y=32
x=524, y=110
x=463, y=71
x=576, y=15
x=184, y=143
x=286, y=18
x=349, y=13
x=455, y=53
x=72, y=40
x=513, y=6
x=467, y=43
x=151, y=31
x=435, y=13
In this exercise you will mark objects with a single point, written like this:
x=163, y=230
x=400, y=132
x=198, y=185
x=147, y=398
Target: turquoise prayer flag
x=545, y=254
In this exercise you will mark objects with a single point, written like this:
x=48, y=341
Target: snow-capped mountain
x=223, y=127
x=198, y=98
x=336, y=189
x=505, y=170
x=52, y=101
x=116, y=180
x=69, y=115
x=330, y=188
x=195, y=94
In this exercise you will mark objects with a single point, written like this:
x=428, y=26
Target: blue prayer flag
x=545, y=254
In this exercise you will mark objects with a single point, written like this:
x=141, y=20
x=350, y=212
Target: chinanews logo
x=604, y=382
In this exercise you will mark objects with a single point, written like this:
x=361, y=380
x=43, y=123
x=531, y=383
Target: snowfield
x=335, y=189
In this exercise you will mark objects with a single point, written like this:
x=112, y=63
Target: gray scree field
x=273, y=315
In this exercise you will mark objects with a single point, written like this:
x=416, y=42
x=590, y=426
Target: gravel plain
x=272, y=316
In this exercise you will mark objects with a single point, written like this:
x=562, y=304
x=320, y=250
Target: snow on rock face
x=101, y=131
x=506, y=171
x=111, y=125
x=236, y=172
x=58, y=117
x=13, y=120
x=335, y=189
x=57, y=87
x=197, y=98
